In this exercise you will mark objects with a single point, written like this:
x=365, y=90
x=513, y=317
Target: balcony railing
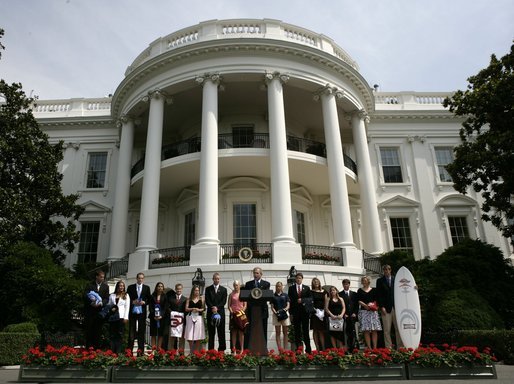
x=372, y=263
x=169, y=257
x=319, y=254
x=255, y=140
x=240, y=254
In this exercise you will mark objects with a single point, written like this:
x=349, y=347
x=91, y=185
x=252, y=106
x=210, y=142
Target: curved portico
x=260, y=83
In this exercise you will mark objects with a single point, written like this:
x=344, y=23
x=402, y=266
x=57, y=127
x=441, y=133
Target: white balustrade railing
x=410, y=100
x=72, y=107
x=248, y=28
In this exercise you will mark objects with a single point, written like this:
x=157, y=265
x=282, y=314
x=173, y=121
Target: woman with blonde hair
x=368, y=313
x=237, y=326
x=279, y=307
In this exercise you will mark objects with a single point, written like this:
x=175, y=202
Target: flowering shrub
x=169, y=259
x=319, y=256
x=450, y=356
x=429, y=356
x=64, y=356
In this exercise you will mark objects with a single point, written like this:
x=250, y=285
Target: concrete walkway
x=505, y=376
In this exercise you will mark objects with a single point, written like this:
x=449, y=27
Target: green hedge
x=21, y=327
x=500, y=341
x=14, y=344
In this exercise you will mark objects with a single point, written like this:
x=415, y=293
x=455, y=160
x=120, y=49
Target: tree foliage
x=36, y=289
x=485, y=158
x=33, y=206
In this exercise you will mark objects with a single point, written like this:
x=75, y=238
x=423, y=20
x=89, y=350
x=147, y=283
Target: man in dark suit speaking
x=257, y=282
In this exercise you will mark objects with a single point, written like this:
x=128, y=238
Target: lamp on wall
x=291, y=278
x=199, y=280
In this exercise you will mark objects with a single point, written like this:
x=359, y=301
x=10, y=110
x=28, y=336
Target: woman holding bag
x=335, y=309
x=368, y=312
x=279, y=307
x=119, y=300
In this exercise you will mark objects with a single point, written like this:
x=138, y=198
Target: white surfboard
x=407, y=308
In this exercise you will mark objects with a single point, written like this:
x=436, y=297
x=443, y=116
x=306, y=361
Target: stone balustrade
x=72, y=107
x=241, y=28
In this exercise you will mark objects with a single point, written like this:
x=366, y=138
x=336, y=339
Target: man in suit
x=257, y=282
x=385, y=298
x=350, y=315
x=215, y=300
x=92, y=321
x=139, y=297
x=177, y=304
x=298, y=293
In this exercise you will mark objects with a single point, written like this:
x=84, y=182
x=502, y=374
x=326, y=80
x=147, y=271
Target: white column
x=208, y=204
x=121, y=203
x=371, y=223
x=281, y=213
x=336, y=171
x=152, y=174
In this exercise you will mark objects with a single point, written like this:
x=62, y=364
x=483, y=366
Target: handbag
x=282, y=314
x=335, y=325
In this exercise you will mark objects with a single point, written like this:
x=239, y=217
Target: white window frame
x=392, y=217
x=401, y=158
x=99, y=234
x=467, y=211
x=411, y=213
x=107, y=167
x=434, y=149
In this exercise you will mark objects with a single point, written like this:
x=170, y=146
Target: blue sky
x=61, y=49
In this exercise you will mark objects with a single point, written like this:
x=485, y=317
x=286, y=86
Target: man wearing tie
x=257, y=282
x=385, y=296
x=350, y=315
x=298, y=292
x=215, y=300
x=177, y=309
x=139, y=294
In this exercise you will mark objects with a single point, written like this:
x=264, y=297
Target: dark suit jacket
x=385, y=294
x=145, y=296
x=263, y=284
x=173, y=304
x=215, y=299
x=103, y=292
x=163, y=305
x=297, y=309
x=352, y=307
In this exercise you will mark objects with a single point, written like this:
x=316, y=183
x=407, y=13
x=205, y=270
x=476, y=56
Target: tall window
x=400, y=231
x=458, y=228
x=190, y=228
x=444, y=156
x=245, y=225
x=242, y=137
x=299, y=221
x=88, y=243
x=96, y=169
x=391, y=167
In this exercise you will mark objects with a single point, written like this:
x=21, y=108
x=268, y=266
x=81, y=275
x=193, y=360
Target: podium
x=257, y=307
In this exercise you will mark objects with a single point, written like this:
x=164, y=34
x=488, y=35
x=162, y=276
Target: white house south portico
x=260, y=136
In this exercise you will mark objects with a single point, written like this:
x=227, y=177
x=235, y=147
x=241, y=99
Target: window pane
x=190, y=226
x=391, y=165
x=300, y=227
x=245, y=225
x=88, y=244
x=400, y=232
x=458, y=228
x=242, y=137
x=444, y=156
x=97, y=163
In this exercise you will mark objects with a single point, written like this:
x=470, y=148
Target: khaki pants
x=388, y=320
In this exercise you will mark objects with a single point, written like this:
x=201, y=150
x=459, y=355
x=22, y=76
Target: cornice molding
x=265, y=46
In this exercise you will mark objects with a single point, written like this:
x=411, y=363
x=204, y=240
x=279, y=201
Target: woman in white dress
x=195, y=327
x=120, y=300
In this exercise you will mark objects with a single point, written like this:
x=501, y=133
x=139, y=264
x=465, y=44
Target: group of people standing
x=175, y=318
